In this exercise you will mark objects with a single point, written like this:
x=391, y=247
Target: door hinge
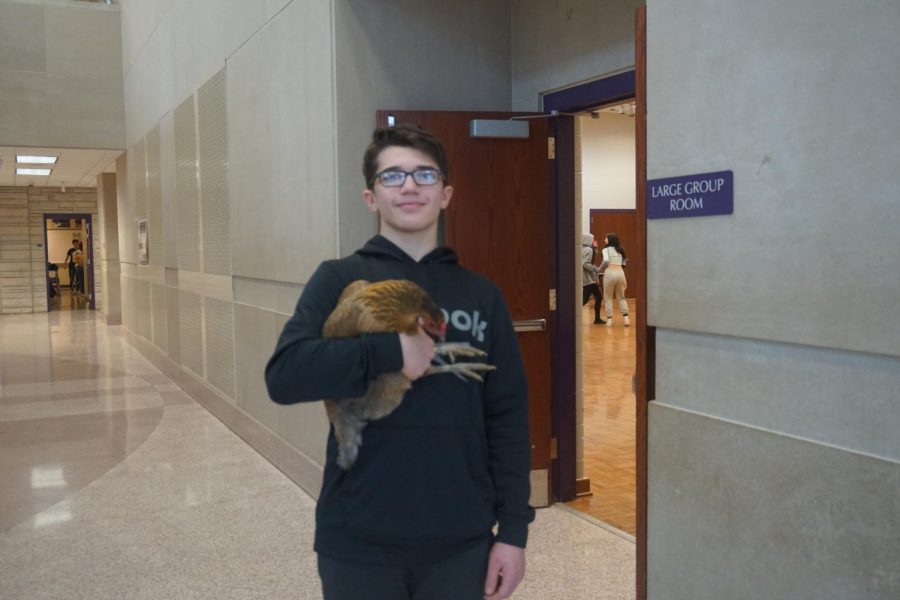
x=551, y=148
x=554, y=449
x=553, y=299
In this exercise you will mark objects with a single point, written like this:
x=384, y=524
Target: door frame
x=87, y=219
x=607, y=90
x=570, y=101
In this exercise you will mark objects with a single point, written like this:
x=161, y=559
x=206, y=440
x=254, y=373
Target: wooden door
x=624, y=223
x=499, y=222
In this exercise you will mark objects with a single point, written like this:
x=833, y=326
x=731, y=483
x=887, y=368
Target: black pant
x=79, y=279
x=592, y=289
x=460, y=577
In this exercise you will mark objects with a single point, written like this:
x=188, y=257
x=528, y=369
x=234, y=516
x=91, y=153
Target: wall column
x=109, y=255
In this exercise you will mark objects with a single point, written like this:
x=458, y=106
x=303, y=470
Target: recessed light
x=41, y=172
x=36, y=160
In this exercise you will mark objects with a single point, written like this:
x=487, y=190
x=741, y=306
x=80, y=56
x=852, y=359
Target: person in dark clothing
x=414, y=517
x=71, y=263
x=590, y=276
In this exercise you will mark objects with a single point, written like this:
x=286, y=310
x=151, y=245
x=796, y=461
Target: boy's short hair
x=408, y=136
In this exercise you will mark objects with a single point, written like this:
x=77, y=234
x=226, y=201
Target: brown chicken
x=393, y=305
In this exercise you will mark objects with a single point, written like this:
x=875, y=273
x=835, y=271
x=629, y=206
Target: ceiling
x=626, y=108
x=75, y=168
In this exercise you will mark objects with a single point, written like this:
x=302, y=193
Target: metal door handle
x=531, y=325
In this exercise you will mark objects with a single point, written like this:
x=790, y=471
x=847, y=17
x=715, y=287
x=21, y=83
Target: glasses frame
x=406, y=174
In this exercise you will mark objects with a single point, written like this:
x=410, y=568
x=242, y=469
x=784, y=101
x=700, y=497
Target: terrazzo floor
x=116, y=484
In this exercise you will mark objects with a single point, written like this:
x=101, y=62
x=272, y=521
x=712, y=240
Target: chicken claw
x=460, y=369
x=454, y=349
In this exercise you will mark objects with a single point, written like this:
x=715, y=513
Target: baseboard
x=583, y=487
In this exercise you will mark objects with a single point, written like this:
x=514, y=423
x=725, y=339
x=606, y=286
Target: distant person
x=590, y=276
x=78, y=261
x=614, y=283
x=71, y=264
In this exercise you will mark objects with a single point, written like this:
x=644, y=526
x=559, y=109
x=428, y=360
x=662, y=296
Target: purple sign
x=698, y=195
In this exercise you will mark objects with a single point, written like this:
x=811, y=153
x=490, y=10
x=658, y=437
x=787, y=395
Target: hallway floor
x=116, y=484
x=609, y=422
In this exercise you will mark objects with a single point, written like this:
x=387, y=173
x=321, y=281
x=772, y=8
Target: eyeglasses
x=397, y=177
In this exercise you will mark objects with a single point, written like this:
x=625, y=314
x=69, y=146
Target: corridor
x=117, y=484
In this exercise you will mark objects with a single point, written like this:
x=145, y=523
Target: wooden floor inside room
x=609, y=421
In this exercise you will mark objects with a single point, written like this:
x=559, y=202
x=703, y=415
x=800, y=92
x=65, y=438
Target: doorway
x=585, y=99
x=604, y=92
x=70, y=274
x=605, y=182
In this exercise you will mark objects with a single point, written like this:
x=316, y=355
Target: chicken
x=393, y=305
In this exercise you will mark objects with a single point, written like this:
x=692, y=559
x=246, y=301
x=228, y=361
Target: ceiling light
x=41, y=172
x=35, y=160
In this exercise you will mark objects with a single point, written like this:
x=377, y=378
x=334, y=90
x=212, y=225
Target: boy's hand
x=418, y=351
x=506, y=568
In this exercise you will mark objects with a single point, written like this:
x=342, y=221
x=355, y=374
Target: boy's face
x=410, y=208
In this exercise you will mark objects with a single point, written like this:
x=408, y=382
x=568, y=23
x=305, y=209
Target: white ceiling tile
x=75, y=167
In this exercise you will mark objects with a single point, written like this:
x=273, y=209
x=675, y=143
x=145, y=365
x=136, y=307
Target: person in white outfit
x=614, y=283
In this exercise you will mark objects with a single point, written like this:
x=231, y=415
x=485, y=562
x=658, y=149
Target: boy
x=71, y=264
x=413, y=517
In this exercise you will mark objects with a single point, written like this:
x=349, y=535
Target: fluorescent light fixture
x=41, y=172
x=36, y=160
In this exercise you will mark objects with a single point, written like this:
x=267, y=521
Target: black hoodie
x=433, y=477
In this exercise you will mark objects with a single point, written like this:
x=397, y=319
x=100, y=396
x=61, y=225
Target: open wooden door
x=500, y=223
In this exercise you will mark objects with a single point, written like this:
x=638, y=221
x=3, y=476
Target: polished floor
x=67, y=300
x=116, y=484
x=609, y=422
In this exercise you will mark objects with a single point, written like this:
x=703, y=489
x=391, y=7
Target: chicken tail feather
x=348, y=431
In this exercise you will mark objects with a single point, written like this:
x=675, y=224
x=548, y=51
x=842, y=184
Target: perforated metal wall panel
x=186, y=199
x=158, y=309
x=144, y=307
x=215, y=211
x=154, y=199
x=137, y=177
x=220, y=344
x=191, y=317
x=173, y=323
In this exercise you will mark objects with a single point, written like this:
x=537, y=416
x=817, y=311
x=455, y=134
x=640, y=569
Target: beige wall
x=108, y=270
x=607, y=163
x=774, y=455
x=208, y=149
x=558, y=44
x=58, y=243
x=456, y=56
x=292, y=93
x=60, y=76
